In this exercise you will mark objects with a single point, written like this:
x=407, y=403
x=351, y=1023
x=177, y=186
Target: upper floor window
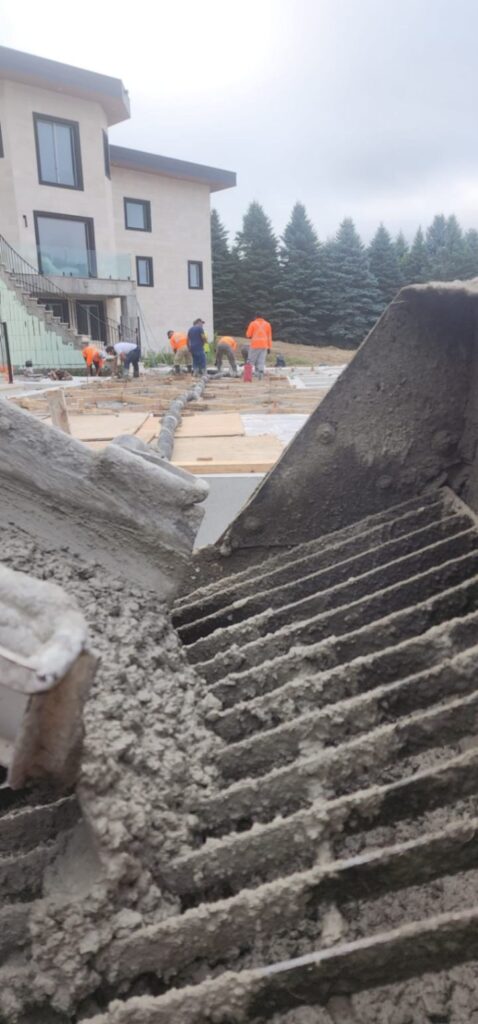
x=195, y=274
x=137, y=214
x=58, y=152
x=106, y=154
x=144, y=271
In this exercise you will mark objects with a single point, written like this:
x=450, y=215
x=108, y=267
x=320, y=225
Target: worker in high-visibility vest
x=226, y=346
x=93, y=358
x=182, y=355
x=260, y=334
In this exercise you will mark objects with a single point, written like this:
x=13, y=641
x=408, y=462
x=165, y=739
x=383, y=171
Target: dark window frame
x=50, y=303
x=196, y=287
x=80, y=310
x=79, y=187
x=106, y=154
x=149, y=261
x=90, y=237
x=146, y=203
x=2, y=151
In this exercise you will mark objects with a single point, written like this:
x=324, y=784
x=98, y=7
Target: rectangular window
x=195, y=274
x=106, y=154
x=66, y=245
x=2, y=151
x=58, y=152
x=59, y=307
x=137, y=214
x=90, y=320
x=144, y=271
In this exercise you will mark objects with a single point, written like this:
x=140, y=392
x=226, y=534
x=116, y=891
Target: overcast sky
x=361, y=108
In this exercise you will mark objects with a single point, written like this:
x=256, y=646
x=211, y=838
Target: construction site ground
x=236, y=427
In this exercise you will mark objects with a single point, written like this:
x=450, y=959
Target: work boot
x=177, y=369
x=190, y=369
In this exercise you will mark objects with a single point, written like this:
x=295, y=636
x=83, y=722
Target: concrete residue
x=146, y=751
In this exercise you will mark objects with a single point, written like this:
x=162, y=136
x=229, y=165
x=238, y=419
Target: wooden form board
x=99, y=427
x=212, y=424
x=228, y=454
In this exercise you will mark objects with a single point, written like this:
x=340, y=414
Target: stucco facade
x=180, y=232
x=178, y=195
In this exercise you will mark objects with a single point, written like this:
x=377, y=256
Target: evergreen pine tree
x=455, y=249
x=355, y=300
x=401, y=249
x=436, y=246
x=470, y=254
x=416, y=268
x=258, y=267
x=301, y=285
x=384, y=265
x=223, y=278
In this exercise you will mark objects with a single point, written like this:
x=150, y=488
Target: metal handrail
x=35, y=283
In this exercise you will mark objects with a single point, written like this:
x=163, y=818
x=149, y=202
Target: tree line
x=326, y=293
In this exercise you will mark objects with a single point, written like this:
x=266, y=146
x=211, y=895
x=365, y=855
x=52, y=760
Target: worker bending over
x=93, y=359
x=226, y=347
x=127, y=354
x=182, y=355
x=260, y=334
x=196, y=342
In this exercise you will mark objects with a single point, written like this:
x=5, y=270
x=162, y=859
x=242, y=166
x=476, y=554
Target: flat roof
x=51, y=74
x=152, y=163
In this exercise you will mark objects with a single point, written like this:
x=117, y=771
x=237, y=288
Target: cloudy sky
x=362, y=108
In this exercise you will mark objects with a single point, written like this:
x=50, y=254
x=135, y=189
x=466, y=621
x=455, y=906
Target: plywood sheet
x=227, y=424
x=228, y=454
x=149, y=429
x=104, y=427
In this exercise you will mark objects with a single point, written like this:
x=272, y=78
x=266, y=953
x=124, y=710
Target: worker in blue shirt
x=196, y=342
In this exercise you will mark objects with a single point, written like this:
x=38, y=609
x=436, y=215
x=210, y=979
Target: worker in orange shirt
x=260, y=334
x=93, y=358
x=182, y=355
x=226, y=346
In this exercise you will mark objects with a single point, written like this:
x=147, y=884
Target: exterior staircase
x=31, y=292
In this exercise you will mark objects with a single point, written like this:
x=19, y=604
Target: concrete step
x=333, y=771
x=269, y=594
x=364, y=575
x=349, y=681
x=301, y=660
x=406, y=952
x=222, y=866
x=343, y=719
x=344, y=543
x=219, y=929
x=410, y=589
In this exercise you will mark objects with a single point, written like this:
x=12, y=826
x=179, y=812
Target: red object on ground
x=247, y=375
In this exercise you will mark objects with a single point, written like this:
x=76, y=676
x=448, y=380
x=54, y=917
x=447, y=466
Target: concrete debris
x=276, y=816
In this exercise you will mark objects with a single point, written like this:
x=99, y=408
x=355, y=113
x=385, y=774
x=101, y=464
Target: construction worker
x=127, y=353
x=182, y=355
x=197, y=339
x=260, y=334
x=93, y=359
x=226, y=346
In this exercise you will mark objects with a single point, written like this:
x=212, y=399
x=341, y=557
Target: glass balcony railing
x=62, y=261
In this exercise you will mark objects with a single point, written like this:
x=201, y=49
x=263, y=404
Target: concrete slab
x=228, y=493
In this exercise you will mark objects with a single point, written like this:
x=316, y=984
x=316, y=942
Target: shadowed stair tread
x=364, y=582
x=213, y=929
x=291, y=842
x=312, y=691
x=432, y=945
x=384, y=633
x=346, y=718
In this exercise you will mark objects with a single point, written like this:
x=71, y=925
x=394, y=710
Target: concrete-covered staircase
x=29, y=292
x=339, y=855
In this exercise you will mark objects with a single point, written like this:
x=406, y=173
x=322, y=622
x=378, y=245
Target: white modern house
x=96, y=239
